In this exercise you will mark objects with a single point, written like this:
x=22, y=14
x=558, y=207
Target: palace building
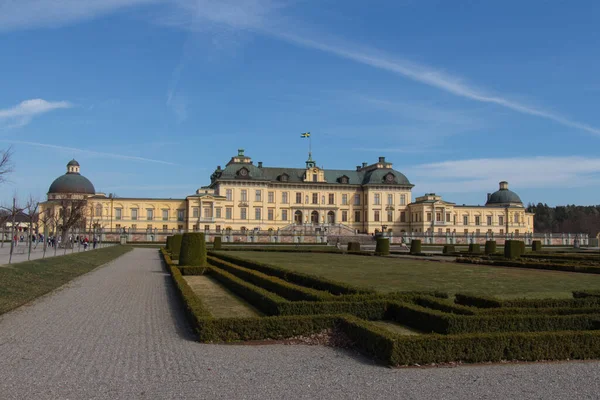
x=244, y=196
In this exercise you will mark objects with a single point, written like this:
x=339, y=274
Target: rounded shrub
x=353, y=246
x=474, y=248
x=536, y=245
x=490, y=247
x=382, y=248
x=217, y=243
x=448, y=249
x=175, y=246
x=415, y=247
x=193, y=250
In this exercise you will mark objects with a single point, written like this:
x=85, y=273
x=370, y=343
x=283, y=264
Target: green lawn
x=23, y=282
x=400, y=274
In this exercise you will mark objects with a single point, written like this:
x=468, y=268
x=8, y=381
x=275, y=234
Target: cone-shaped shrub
x=490, y=247
x=415, y=247
x=474, y=248
x=193, y=250
x=383, y=247
x=175, y=246
x=217, y=243
x=536, y=245
x=448, y=249
x=353, y=246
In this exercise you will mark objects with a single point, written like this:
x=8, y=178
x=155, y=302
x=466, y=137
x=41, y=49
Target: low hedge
x=193, y=270
x=353, y=246
x=467, y=299
x=443, y=305
x=580, y=294
x=566, y=257
x=273, y=284
x=448, y=249
x=491, y=302
x=298, y=278
x=538, y=311
x=528, y=263
x=369, y=310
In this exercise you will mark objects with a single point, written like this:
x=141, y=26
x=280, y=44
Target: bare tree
x=45, y=217
x=6, y=166
x=31, y=208
x=13, y=212
x=72, y=213
x=55, y=219
x=4, y=218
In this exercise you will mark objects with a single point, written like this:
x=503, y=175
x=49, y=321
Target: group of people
x=54, y=241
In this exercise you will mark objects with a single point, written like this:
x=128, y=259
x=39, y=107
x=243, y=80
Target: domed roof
x=504, y=196
x=379, y=176
x=72, y=182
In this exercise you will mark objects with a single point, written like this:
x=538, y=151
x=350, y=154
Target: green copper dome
x=72, y=182
x=503, y=196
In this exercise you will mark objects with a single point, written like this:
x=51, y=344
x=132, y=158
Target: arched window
x=98, y=212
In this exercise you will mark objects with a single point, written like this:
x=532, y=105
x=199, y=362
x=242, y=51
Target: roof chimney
x=240, y=152
x=381, y=159
x=365, y=164
x=260, y=164
x=503, y=185
x=218, y=167
x=358, y=167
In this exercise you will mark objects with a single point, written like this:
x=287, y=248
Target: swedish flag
x=306, y=134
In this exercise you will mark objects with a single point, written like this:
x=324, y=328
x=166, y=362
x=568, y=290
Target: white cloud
x=23, y=113
x=26, y=14
x=483, y=175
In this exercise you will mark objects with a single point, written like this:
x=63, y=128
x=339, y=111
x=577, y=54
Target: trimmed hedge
x=528, y=263
x=193, y=249
x=536, y=245
x=176, y=246
x=513, y=249
x=369, y=310
x=467, y=299
x=448, y=249
x=298, y=278
x=383, y=247
x=490, y=247
x=353, y=246
x=490, y=302
x=168, y=243
x=579, y=294
x=193, y=270
x=474, y=248
x=415, y=246
x=443, y=305
x=217, y=243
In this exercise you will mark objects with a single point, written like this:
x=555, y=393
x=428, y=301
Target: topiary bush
x=193, y=250
x=448, y=249
x=353, y=246
x=168, y=244
x=536, y=245
x=383, y=247
x=490, y=247
x=217, y=243
x=474, y=248
x=513, y=249
x=175, y=246
x=415, y=247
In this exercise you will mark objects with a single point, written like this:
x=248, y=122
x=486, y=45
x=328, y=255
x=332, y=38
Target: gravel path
x=116, y=333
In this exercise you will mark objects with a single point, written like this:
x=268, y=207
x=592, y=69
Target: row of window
x=313, y=199
x=416, y=217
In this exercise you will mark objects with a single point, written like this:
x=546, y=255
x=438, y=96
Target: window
x=133, y=228
x=195, y=212
x=284, y=215
x=489, y=220
x=357, y=199
x=180, y=215
x=357, y=216
x=179, y=227
x=165, y=228
x=315, y=198
x=258, y=195
x=284, y=197
x=376, y=215
x=440, y=231
x=390, y=216
x=331, y=198
x=228, y=213
x=218, y=212
x=315, y=178
x=207, y=227
x=344, y=216
x=298, y=198
x=402, y=199
x=447, y=217
x=501, y=220
x=229, y=194
x=118, y=212
x=466, y=231
x=257, y=213
x=134, y=214
x=208, y=212
x=428, y=217
x=118, y=226
x=502, y=231
x=390, y=199
x=271, y=197
x=377, y=200
x=243, y=213
x=149, y=227
x=218, y=228
x=403, y=216
x=323, y=199
x=465, y=220
x=516, y=218
x=344, y=199
x=98, y=210
x=270, y=214
x=477, y=220
x=149, y=214
x=477, y=232
x=438, y=217
x=165, y=215
x=244, y=195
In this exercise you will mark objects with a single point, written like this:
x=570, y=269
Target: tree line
x=568, y=219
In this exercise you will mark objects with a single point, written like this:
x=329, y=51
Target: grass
x=219, y=301
x=402, y=274
x=22, y=282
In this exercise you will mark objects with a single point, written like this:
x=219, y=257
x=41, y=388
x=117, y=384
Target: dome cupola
x=504, y=197
x=72, y=182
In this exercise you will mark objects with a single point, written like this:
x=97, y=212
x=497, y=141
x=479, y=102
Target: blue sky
x=151, y=95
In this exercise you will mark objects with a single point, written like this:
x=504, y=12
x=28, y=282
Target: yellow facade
x=243, y=196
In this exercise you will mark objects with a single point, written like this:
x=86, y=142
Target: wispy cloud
x=26, y=14
x=483, y=175
x=89, y=152
x=24, y=112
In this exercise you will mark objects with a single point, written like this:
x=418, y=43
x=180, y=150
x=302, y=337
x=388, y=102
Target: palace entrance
x=314, y=218
x=298, y=217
